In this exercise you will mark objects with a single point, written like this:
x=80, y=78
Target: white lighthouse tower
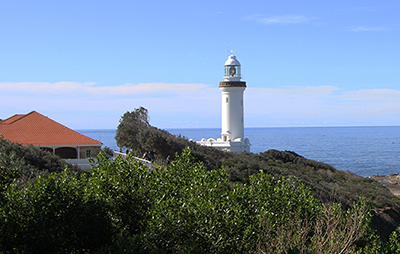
x=232, y=129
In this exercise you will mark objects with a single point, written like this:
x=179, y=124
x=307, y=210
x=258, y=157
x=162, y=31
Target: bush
x=29, y=162
x=54, y=215
x=189, y=207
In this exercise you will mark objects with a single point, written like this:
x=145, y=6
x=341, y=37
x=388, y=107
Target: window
x=88, y=153
x=226, y=99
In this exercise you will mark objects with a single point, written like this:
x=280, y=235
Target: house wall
x=72, y=152
x=94, y=151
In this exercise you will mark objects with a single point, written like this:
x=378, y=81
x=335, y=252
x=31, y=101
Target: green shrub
x=53, y=216
x=28, y=162
x=187, y=207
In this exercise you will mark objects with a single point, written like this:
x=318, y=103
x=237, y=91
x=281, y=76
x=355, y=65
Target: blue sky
x=306, y=63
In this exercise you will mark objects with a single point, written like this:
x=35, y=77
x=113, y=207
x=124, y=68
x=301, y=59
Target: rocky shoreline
x=391, y=182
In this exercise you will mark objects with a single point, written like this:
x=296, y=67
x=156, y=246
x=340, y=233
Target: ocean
x=365, y=151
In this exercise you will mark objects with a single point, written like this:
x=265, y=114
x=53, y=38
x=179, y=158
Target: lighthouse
x=232, y=128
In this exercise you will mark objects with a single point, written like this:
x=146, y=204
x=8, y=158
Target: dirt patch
x=391, y=182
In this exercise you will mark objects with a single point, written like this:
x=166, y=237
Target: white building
x=232, y=131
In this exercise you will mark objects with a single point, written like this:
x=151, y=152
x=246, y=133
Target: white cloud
x=281, y=20
x=296, y=101
x=372, y=102
x=320, y=102
x=45, y=86
x=86, y=105
x=86, y=101
x=307, y=90
x=151, y=88
x=90, y=87
x=373, y=95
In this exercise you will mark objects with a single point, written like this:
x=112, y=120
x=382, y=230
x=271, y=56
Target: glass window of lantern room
x=232, y=71
x=238, y=71
x=227, y=71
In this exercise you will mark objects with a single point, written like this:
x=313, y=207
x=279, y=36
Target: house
x=39, y=130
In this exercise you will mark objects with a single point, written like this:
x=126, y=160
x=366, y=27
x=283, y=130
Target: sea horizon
x=184, y=128
x=364, y=150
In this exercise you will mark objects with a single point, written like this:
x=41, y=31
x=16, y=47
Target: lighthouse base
x=236, y=146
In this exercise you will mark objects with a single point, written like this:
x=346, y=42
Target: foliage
x=134, y=132
x=129, y=128
x=337, y=229
x=8, y=170
x=123, y=207
x=153, y=139
x=53, y=216
x=108, y=151
x=376, y=246
x=22, y=164
x=206, y=200
x=119, y=185
x=327, y=183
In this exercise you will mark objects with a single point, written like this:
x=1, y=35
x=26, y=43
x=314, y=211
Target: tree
x=153, y=139
x=130, y=126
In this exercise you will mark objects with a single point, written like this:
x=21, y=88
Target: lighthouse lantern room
x=232, y=69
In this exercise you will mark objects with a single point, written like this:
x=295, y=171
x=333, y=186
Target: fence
x=124, y=155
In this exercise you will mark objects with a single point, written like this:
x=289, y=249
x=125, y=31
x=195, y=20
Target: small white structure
x=124, y=155
x=232, y=132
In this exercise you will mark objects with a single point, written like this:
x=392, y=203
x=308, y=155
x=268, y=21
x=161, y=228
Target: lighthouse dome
x=232, y=61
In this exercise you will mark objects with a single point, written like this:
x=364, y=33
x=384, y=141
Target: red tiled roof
x=11, y=119
x=37, y=129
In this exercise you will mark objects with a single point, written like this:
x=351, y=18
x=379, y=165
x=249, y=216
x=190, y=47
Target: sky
x=306, y=63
